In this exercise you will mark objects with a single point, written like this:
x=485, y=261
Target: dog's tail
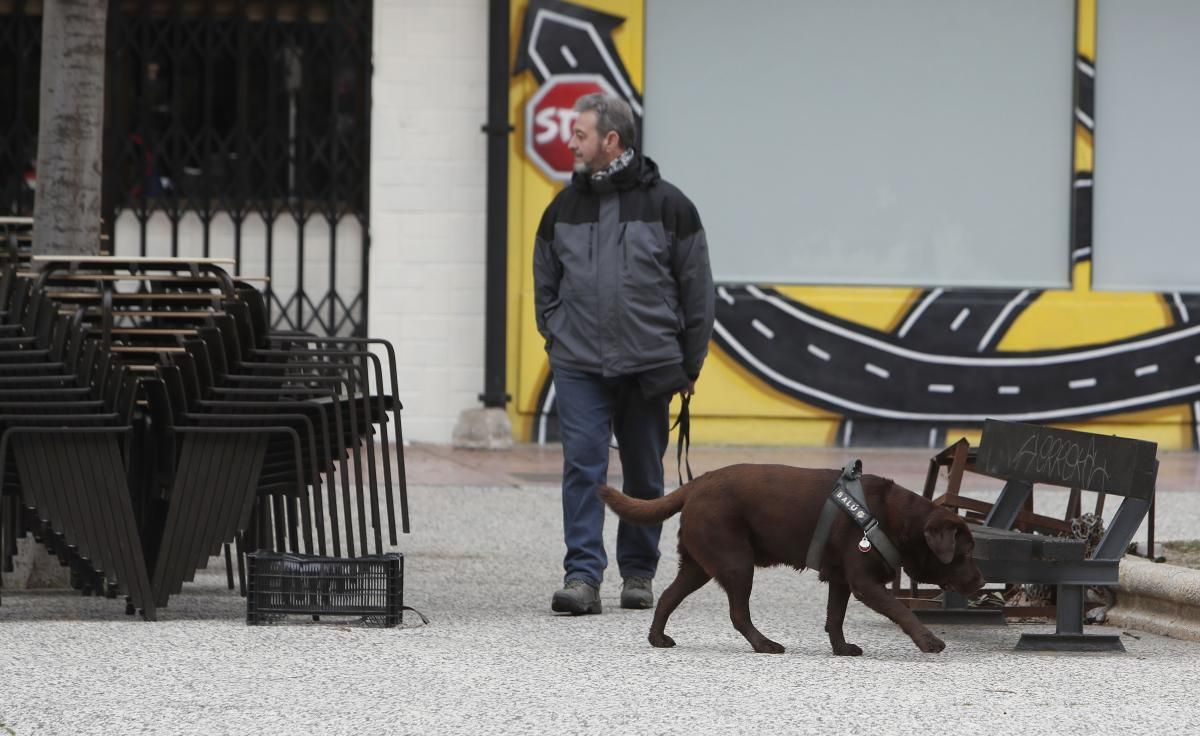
x=641, y=511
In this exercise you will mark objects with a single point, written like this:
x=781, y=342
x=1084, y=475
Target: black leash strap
x=684, y=444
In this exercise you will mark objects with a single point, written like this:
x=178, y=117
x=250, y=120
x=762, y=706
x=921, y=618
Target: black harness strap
x=848, y=496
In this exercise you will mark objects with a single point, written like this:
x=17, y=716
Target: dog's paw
x=930, y=644
x=847, y=650
x=662, y=641
x=766, y=646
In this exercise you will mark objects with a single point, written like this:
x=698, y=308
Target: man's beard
x=586, y=167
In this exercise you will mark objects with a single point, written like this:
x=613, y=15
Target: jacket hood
x=641, y=173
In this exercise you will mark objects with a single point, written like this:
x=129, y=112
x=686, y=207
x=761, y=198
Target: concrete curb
x=1158, y=598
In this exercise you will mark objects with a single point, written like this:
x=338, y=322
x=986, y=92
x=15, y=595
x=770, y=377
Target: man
x=624, y=299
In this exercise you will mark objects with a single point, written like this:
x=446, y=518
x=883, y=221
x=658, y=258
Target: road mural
x=861, y=366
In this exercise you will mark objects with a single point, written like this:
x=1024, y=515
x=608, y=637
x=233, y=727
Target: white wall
x=428, y=177
x=1147, y=151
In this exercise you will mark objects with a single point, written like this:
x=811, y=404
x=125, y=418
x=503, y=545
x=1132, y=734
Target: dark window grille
x=20, y=65
x=231, y=120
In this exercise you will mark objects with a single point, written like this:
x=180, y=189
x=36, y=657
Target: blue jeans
x=591, y=409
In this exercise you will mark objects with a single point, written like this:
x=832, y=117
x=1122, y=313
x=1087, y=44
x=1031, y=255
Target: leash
x=683, y=445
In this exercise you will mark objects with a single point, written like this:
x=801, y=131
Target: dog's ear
x=940, y=531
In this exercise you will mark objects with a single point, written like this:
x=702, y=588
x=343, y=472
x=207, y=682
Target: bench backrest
x=1026, y=454
x=1063, y=457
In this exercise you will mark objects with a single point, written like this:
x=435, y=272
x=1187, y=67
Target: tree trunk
x=66, y=208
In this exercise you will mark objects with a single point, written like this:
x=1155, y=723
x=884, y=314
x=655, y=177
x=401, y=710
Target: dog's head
x=947, y=560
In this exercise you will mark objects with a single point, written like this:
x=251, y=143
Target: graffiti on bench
x=1065, y=457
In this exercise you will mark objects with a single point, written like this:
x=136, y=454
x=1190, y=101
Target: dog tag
x=864, y=544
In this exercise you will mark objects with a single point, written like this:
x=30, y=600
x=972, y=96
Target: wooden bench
x=1023, y=455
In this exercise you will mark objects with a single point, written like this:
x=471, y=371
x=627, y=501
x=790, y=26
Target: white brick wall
x=428, y=174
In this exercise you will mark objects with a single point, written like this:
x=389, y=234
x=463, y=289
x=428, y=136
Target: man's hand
x=686, y=392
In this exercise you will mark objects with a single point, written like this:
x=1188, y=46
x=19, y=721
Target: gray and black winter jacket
x=622, y=277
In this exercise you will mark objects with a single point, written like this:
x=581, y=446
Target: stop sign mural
x=550, y=119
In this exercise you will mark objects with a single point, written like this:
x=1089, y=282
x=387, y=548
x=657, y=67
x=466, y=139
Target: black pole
x=498, y=130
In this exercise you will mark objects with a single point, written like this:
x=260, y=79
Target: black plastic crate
x=280, y=584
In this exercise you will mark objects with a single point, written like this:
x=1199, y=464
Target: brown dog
x=744, y=516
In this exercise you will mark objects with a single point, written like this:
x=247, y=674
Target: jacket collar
x=641, y=172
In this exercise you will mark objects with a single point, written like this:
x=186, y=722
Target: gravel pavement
x=482, y=563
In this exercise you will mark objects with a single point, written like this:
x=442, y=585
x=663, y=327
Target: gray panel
x=1147, y=147
x=869, y=142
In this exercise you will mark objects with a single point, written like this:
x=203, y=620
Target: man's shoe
x=637, y=593
x=576, y=598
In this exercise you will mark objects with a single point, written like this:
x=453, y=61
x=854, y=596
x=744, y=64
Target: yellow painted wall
x=733, y=406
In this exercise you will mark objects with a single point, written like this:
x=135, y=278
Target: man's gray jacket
x=622, y=277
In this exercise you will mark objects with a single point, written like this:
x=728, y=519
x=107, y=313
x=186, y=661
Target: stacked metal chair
x=229, y=433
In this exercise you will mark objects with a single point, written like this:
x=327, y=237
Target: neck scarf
x=616, y=165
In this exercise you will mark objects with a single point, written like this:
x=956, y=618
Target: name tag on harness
x=856, y=510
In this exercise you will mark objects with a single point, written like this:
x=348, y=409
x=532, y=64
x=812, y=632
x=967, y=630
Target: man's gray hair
x=612, y=113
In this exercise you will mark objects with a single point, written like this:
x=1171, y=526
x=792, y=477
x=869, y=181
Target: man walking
x=624, y=299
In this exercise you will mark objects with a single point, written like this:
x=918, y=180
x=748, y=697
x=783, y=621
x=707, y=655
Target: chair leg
x=228, y=567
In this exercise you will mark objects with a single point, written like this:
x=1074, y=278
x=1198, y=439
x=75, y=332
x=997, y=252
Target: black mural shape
x=1081, y=193
x=862, y=373
x=1185, y=308
x=1081, y=218
x=564, y=38
x=1085, y=91
x=961, y=321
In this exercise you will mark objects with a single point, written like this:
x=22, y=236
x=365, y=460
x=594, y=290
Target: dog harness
x=848, y=496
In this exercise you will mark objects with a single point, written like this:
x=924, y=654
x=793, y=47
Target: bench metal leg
x=1068, y=635
x=1008, y=506
x=1069, y=616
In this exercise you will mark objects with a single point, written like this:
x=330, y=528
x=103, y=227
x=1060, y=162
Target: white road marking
x=881, y=372
x=1008, y=308
x=766, y=331
x=916, y=313
x=962, y=317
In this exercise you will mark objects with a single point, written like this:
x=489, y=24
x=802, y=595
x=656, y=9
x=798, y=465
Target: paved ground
x=481, y=563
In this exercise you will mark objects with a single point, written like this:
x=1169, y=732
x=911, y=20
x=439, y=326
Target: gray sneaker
x=576, y=598
x=636, y=592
